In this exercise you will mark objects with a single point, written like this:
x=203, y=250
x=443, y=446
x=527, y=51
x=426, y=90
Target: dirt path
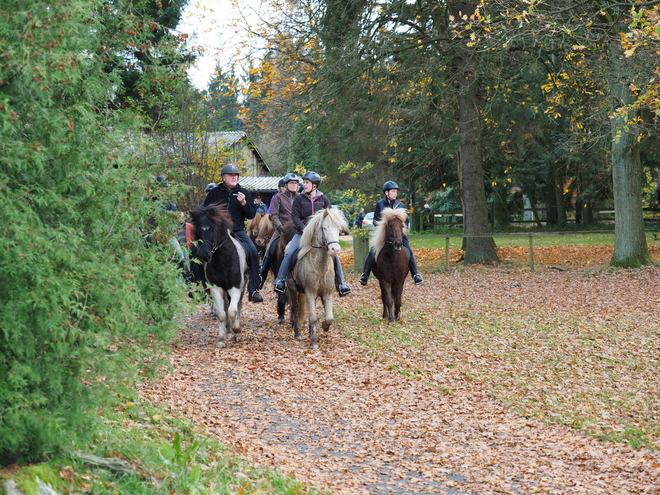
x=337, y=418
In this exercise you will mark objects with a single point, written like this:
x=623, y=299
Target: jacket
x=385, y=203
x=304, y=207
x=280, y=208
x=222, y=195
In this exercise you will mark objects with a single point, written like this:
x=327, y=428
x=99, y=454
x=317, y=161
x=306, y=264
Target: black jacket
x=385, y=203
x=224, y=196
x=304, y=207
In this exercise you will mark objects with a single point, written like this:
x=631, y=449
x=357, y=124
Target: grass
x=166, y=455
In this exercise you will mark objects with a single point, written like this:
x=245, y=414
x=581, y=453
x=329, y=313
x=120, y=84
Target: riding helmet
x=230, y=168
x=313, y=177
x=210, y=186
x=289, y=177
x=390, y=184
x=281, y=183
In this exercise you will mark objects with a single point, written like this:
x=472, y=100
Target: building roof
x=228, y=139
x=259, y=183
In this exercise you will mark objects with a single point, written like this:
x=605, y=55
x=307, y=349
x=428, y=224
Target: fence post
x=531, y=252
x=360, y=247
x=447, y=252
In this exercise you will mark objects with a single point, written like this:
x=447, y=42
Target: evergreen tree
x=88, y=296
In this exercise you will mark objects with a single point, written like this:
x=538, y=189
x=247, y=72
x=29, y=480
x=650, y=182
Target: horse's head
x=395, y=231
x=325, y=227
x=391, y=229
x=253, y=225
x=265, y=231
x=211, y=224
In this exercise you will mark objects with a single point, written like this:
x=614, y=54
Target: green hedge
x=85, y=301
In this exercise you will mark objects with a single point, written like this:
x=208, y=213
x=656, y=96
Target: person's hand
x=241, y=198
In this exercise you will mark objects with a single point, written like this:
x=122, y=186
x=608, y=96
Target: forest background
x=470, y=102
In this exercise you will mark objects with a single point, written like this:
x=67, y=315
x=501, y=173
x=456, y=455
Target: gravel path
x=339, y=419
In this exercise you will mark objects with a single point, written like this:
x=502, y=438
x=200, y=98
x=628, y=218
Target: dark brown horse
x=391, y=260
x=276, y=261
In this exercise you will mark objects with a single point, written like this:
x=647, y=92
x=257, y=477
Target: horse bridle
x=216, y=247
x=323, y=239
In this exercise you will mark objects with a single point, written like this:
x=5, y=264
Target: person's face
x=257, y=200
x=307, y=186
x=292, y=185
x=392, y=194
x=231, y=180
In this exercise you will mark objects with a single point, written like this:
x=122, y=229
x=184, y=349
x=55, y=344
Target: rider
x=281, y=187
x=304, y=206
x=280, y=213
x=390, y=190
x=240, y=205
x=260, y=207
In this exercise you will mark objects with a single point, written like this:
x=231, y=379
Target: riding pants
x=252, y=258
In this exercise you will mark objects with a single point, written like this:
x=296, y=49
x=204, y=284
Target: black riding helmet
x=313, y=177
x=281, y=183
x=210, y=186
x=230, y=168
x=390, y=184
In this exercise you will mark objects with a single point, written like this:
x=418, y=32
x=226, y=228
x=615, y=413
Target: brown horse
x=313, y=275
x=265, y=231
x=391, y=260
x=287, y=234
x=253, y=227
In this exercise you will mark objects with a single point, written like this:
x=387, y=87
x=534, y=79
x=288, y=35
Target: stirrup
x=280, y=286
x=417, y=278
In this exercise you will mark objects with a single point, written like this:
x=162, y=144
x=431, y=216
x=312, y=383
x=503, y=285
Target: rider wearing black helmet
x=304, y=206
x=240, y=206
x=390, y=191
x=210, y=186
x=280, y=213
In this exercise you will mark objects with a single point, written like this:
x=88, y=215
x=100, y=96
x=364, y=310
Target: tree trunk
x=630, y=247
x=470, y=170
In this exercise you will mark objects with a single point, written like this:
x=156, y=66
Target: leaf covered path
x=345, y=418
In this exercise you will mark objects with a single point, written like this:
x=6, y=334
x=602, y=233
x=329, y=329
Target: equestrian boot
x=412, y=265
x=342, y=287
x=368, y=263
x=263, y=270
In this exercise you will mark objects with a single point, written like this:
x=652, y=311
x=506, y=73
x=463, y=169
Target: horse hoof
x=221, y=344
x=313, y=346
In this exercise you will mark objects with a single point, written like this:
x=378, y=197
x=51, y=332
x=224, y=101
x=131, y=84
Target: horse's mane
x=217, y=215
x=378, y=239
x=266, y=222
x=333, y=217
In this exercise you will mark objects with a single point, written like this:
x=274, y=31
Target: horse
x=253, y=226
x=390, y=260
x=265, y=231
x=224, y=265
x=288, y=231
x=313, y=274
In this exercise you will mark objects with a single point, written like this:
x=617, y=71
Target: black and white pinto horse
x=224, y=267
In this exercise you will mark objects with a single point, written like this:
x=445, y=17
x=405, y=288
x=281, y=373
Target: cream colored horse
x=313, y=275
